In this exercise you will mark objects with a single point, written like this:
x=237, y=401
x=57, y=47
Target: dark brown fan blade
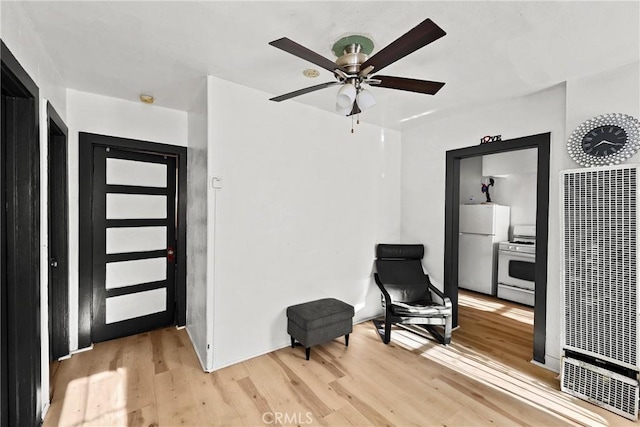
x=303, y=91
x=302, y=52
x=421, y=35
x=411, y=85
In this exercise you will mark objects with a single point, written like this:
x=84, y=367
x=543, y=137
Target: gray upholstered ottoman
x=319, y=321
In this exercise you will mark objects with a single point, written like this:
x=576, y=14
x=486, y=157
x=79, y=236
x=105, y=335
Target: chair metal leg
x=308, y=352
x=346, y=340
x=387, y=330
x=441, y=333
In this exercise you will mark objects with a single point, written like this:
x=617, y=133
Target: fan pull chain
x=357, y=121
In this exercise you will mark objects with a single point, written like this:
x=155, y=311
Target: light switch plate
x=216, y=183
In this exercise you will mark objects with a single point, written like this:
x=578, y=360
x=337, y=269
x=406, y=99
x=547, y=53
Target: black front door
x=134, y=242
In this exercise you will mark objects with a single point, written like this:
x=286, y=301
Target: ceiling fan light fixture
x=346, y=95
x=353, y=67
x=365, y=99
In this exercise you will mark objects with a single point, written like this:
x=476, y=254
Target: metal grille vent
x=609, y=390
x=600, y=282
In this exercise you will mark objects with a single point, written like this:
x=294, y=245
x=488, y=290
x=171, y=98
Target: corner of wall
x=198, y=226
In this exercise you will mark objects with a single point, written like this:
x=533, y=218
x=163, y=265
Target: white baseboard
x=80, y=350
x=45, y=409
x=552, y=364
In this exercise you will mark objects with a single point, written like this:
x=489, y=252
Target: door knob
x=53, y=263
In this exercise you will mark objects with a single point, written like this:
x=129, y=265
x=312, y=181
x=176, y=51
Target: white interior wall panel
x=134, y=272
x=136, y=239
x=132, y=172
x=136, y=206
x=125, y=307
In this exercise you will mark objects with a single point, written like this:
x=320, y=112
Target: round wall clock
x=609, y=139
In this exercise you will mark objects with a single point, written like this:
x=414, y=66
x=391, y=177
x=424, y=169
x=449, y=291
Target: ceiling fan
x=354, y=68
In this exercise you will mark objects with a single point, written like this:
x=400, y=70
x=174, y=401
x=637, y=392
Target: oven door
x=516, y=269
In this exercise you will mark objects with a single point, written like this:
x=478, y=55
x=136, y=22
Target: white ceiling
x=493, y=49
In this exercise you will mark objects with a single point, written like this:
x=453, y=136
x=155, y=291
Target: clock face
x=608, y=139
x=604, y=140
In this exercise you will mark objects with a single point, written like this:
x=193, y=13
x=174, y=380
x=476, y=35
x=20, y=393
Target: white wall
x=470, y=181
x=303, y=204
x=99, y=114
x=616, y=91
x=197, y=212
x=20, y=36
x=518, y=191
x=515, y=174
x=423, y=175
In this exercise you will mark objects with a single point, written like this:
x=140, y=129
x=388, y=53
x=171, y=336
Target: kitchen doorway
x=452, y=214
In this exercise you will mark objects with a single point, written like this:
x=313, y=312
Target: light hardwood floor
x=483, y=378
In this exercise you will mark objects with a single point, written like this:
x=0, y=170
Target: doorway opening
x=132, y=263
x=20, y=373
x=496, y=256
x=452, y=204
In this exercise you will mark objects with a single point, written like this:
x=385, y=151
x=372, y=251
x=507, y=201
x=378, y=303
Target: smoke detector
x=147, y=99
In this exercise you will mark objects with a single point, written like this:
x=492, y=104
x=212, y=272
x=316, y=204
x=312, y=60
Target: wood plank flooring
x=483, y=378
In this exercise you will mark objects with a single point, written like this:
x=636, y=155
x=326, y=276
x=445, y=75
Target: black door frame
x=20, y=348
x=87, y=142
x=543, y=143
x=58, y=232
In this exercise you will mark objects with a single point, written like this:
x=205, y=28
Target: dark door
x=58, y=241
x=20, y=397
x=134, y=241
x=4, y=356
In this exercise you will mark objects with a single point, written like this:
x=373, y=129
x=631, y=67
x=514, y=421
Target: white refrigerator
x=481, y=228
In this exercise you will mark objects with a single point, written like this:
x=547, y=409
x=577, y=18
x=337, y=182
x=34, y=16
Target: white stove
x=518, y=246
x=516, y=266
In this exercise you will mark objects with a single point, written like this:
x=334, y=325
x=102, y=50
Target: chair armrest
x=445, y=299
x=387, y=297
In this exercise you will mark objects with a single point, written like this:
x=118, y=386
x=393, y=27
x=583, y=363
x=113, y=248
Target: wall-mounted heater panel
x=601, y=295
x=614, y=392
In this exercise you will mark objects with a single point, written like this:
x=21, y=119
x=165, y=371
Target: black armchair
x=408, y=297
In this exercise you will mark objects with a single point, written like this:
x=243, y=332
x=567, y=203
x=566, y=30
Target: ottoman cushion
x=320, y=313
